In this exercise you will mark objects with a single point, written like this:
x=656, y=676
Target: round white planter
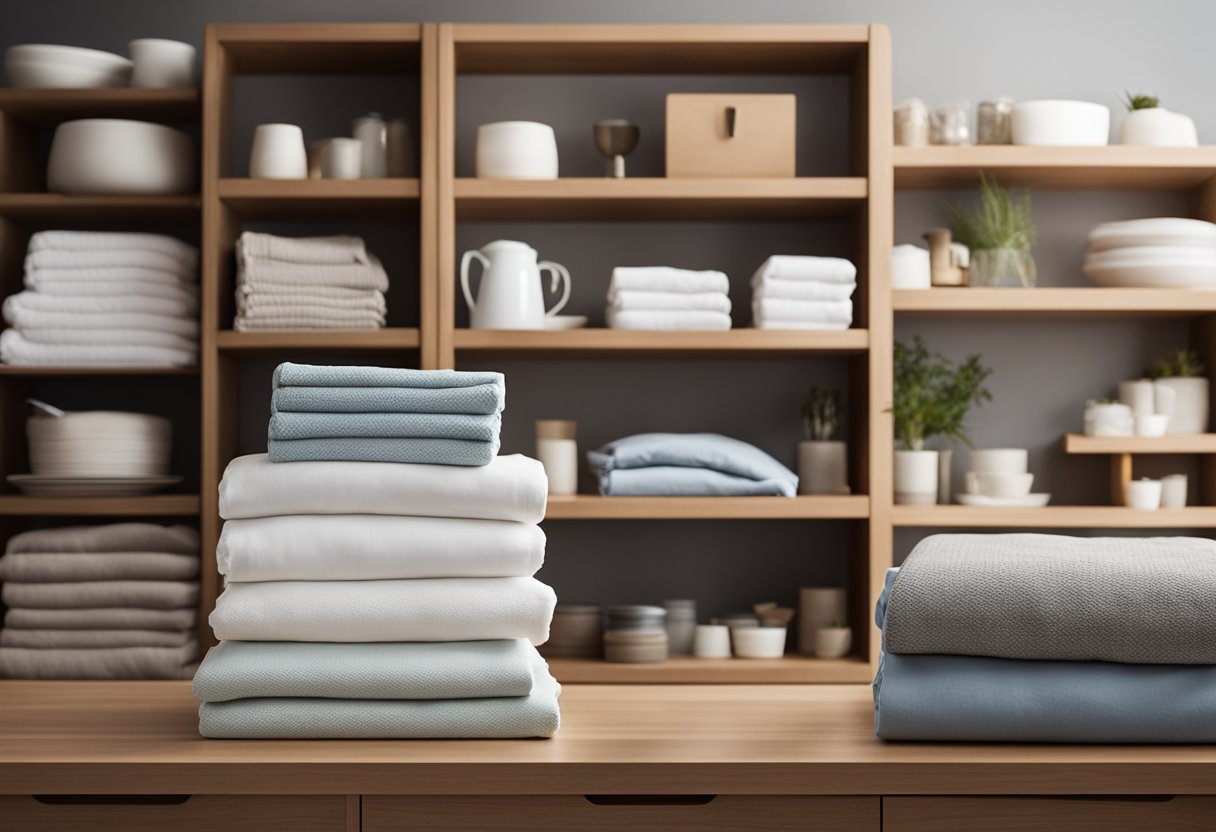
x=1158, y=127
x=823, y=468
x=1189, y=413
x=916, y=478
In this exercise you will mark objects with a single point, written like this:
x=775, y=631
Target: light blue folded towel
x=309, y=375
x=483, y=399
x=374, y=449
x=385, y=426
x=689, y=464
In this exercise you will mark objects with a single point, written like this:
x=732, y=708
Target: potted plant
x=932, y=398
x=999, y=234
x=822, y=461
x=833, y=642
x=1148, y=123
x=1182, y=372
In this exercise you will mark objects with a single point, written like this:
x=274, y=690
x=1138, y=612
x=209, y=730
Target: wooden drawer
x=1040, y=814
x=635, y=813
x=178, y=813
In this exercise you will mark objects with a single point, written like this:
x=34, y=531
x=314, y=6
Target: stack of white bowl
x=1000, y=477
x=1158, y=252
x=46, y=65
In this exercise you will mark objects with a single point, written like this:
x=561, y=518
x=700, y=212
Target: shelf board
x=656, y=198
x=39, y=206
x=1071, y=301
x=594, y=507
x=1054, y=517
x=38, y=371
x=311, y=197
x=1198, y=443
x=392, y=338
x=618, y=343
x=791, y=669
x=321, y=49
x=1089, y=168
x=51, y=106
x=152, y=505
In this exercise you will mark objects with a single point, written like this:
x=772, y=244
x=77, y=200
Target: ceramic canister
x=681, y=624
x=575, y=632
x=635, y=647
x=818, y=607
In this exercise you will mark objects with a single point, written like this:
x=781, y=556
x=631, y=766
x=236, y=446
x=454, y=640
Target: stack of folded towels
x=794, y=292
x=287, y=283
x=377, y=414
x=660, y=297
x=689, y=465
x=1046, y=638
x=100, y=602
x=113, y=298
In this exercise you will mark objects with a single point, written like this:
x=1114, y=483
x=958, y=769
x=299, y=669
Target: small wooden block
x=703, y=143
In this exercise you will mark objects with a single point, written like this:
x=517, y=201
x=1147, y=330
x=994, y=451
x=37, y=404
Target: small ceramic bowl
x=119, y=156
x=1004, y=486
x=1060, y=123
x=758, y=642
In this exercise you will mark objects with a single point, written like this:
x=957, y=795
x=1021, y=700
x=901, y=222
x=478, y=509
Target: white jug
x=511, y=295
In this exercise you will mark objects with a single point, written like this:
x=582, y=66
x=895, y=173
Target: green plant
x=1181, y=362
x=1000, y=221
x=1140, y=101
x=821, y=413
x=933, y=394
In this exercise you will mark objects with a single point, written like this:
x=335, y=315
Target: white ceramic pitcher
x=511, y=295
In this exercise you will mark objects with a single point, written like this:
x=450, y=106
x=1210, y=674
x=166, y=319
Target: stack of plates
x=1160, y=252
x=50, y=66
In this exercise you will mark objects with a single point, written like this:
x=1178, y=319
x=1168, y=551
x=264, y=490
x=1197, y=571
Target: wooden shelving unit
x=1050, y=301
x=693, y=671
x=1054, y=517
x=318, y=197
x=391, y=338
x=1202, y=443
x=50, y=208
x=618, y=343
x=47, y=107
x=152, y=505
x=594, y=507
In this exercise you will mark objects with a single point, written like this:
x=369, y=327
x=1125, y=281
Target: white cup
x=1152, y=424
x=341, y=158
x=516, y=150
x=1173, y=491
x=910, y=267
x=711, y=641
x=278, y=152
x=560, y=460
x=1000, y=460
x=1144, y=494
x=161, y=63
x=1002, y=486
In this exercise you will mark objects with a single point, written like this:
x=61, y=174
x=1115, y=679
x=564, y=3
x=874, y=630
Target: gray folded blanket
x=1034, y=596
x=102, y=618
x=99, y=566
x=113, y=537
x=92, y=639
x=117, y=663
x=157, y=595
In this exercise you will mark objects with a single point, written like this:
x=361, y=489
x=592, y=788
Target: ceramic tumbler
x=372, y=132
x=557, y=450
x=711, y=641
x=681, y=625
x=161, y=63
x=400, y=149
x=278, y=152
x=818, y=607
x=1144, y=494
x=1173, y=491
x=341, y=158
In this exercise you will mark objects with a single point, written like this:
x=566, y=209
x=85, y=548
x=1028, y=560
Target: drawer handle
x=731, y=115
x=112, y=799
x=649, y=799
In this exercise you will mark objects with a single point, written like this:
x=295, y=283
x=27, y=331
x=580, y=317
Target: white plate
x=36, y=486
x=1156, y=256
x=1196, y=276
x=566, y=322
x=979, y=500
x=1154, y=231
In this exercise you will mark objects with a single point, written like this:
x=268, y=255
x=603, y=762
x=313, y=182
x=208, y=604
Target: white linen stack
x=104, y=298
x=660, y=297
x=797, y=292
x=290, y=283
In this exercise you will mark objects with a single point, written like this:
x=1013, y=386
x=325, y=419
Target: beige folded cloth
x=57, y=258
x=109, y=537
x=364, y=276
x=93, y=639
x=97, y=566
x=155, y=595
x=40, y=279
x=324, y=293
x=333, y=250
x=254, y=302
x=283, y=323
x=103, y=618
x=102, y=663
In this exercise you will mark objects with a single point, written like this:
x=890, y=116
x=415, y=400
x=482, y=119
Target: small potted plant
x=833, y=642
x=1148, y=123
x=932, y=398
x=999, y=233
x=1182, y=372
x=822, y=461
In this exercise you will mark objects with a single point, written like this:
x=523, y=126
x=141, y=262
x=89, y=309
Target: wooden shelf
x=656, y=198
x=618, y=343
x=305, y=197
x=394, y=338
x=152, y=505
x=1097, y=168
x=38, y=206
x=1076, y=302
x=38, y=371
x=1199, y=443
x=1055, y=517
x=50, y=106
x=791, y=669
x=325, y=49
x=594, y=507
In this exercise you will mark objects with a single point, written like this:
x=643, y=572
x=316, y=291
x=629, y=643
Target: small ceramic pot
x=910, y=268
x=1173, y=491
x=1189, y=411
x=833, y=642
x=557, y=450
x=1055, y=123
x=161, y=63
x=1157, y=127
x=823, y=468
x=1144, y=494
x=1109, y=419
x=575, y=632
x=916, y=478
x=516, y=150
x=758, y=642
x=1000, y=460
x=818, y=607
x=341, y=158
x=401, y=158
x=681, y=626
x=1002, y=486
x=278, y=152
x=711, y=641
x=633, y=647
x=1152, y=424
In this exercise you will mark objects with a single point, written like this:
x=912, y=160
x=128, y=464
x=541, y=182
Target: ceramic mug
x=341, y=158
x=161, y=63
x=516, y=150
x=1173, y=491
x=278, y=152
x=1144, y=494
x=711, y=641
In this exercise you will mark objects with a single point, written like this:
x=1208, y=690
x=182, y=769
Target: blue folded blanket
x=689, y=464
x=309, y=375
x=385, y=426
x=477, y=399
x=374, y=449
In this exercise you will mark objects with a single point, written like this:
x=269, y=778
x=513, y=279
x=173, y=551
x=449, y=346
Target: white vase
x=833, y=642
x=516, y=150
x=916, y=478
x=278, y=152
x=1158, y=127
x=1189, y=410
x=818, y=607
x=823, y=467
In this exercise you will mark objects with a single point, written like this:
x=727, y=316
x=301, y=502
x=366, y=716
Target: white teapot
x=511, y=294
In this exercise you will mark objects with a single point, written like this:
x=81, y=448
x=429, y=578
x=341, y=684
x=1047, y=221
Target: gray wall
x=944, y=49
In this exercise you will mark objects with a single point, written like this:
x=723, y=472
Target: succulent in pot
x=822, y=461
x=999, y=232
x=1148, y=123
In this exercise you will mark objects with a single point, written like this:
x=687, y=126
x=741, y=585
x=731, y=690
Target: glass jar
x=912, y=123
x=1001, y=267
x=949, y=124
x=994, y=121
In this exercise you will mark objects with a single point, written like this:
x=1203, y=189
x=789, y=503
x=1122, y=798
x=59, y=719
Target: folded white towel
x=22, y=318
x=363, y=276
x=771, y=287
x=511, y=487
x=667, y=319
x=286, y=323
x=107, y=240
x=368, y=547
x=59, y=259
x=323, y=313
x=799, y=267
x=666, y=279
x=16, y=349
x=40, y=278
x=125, y=337
x=186, y=294
x=700, y=301
x=335, y=250
x=441, y=609
x=254, y=301
x=180, y=307
x=838, y=312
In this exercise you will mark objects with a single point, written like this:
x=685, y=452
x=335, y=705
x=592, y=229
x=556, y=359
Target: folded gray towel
x=157, y=595
x=98, y=566
x=92, y=639
x=117, y=663
x=113, y=537
x=1035, y=596
x=102, y=618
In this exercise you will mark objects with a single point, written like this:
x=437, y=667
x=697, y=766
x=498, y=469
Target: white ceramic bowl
x=162, y=63
x=1004, y=486
x=1153, y=267
x=758, y=642
x=1153, y=231
x=73, y=55
x=99, y=444
x=1060, y=123
x=32, y=74
x=117, y=156
x=516, y=150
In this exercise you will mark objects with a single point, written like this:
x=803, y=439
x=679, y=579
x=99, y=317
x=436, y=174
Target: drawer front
x=162, y=813
x=1057, y=814
x=700, y=142
x=635, y=813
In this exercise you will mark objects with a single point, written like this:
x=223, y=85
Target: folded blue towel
x=385, y=425
x=477, y=399
x=378, y=449
x=689, y=464
x=309, y=375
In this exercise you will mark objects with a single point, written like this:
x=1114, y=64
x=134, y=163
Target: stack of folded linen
x=1045, y=638
x=793, y=292
x=660, y=297
x=380, y=414
x=100, y=602
x=380, y=600
x=114, y=298
x=286, y=283
x=689, y=464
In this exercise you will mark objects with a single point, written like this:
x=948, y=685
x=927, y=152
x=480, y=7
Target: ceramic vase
x=916, y=478
x=823, y=468
x=1001, y=267
x=1189, y=413
x=1158, y=127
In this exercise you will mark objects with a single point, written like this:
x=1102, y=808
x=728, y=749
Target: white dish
x=1153, y=231
x=565, y=321
x=1060, y=123
x=980, y=501
x=1153, y=256
x=36, y=486
x=1177, y=276
x=758, y=642
x=118, y=156
x=30, y=74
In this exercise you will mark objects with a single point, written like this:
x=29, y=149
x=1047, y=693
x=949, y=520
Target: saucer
x=979, y=500
x=566, y=322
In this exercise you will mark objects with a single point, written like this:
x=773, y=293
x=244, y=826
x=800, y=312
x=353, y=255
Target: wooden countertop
x=141, y=738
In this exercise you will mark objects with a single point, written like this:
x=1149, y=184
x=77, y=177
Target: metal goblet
x=616, y=138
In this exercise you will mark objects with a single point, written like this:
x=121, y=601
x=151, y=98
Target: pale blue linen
x=689, y=464
x=418, y=451
x=385, y=426
x=478, y=399
x=288, y=374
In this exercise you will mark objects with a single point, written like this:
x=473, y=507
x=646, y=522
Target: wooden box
x=730, y=135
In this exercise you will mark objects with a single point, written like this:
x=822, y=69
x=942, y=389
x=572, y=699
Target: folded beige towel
x=40, y=279
x=103, y=663
x=109, y=537
x=325, y=293
x=55, y=567
x=334, y=250
x=93, y=639
x=283, y=323
x=156, y=595
x=104, y=618
x=254, y=302
x=364, y=276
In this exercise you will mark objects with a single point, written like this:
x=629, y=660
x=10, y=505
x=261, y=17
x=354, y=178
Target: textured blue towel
x=693, y=464
x=385, y=425
x=670, y=481
x=309, y=375
x=479, y=399
x=424, y=451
